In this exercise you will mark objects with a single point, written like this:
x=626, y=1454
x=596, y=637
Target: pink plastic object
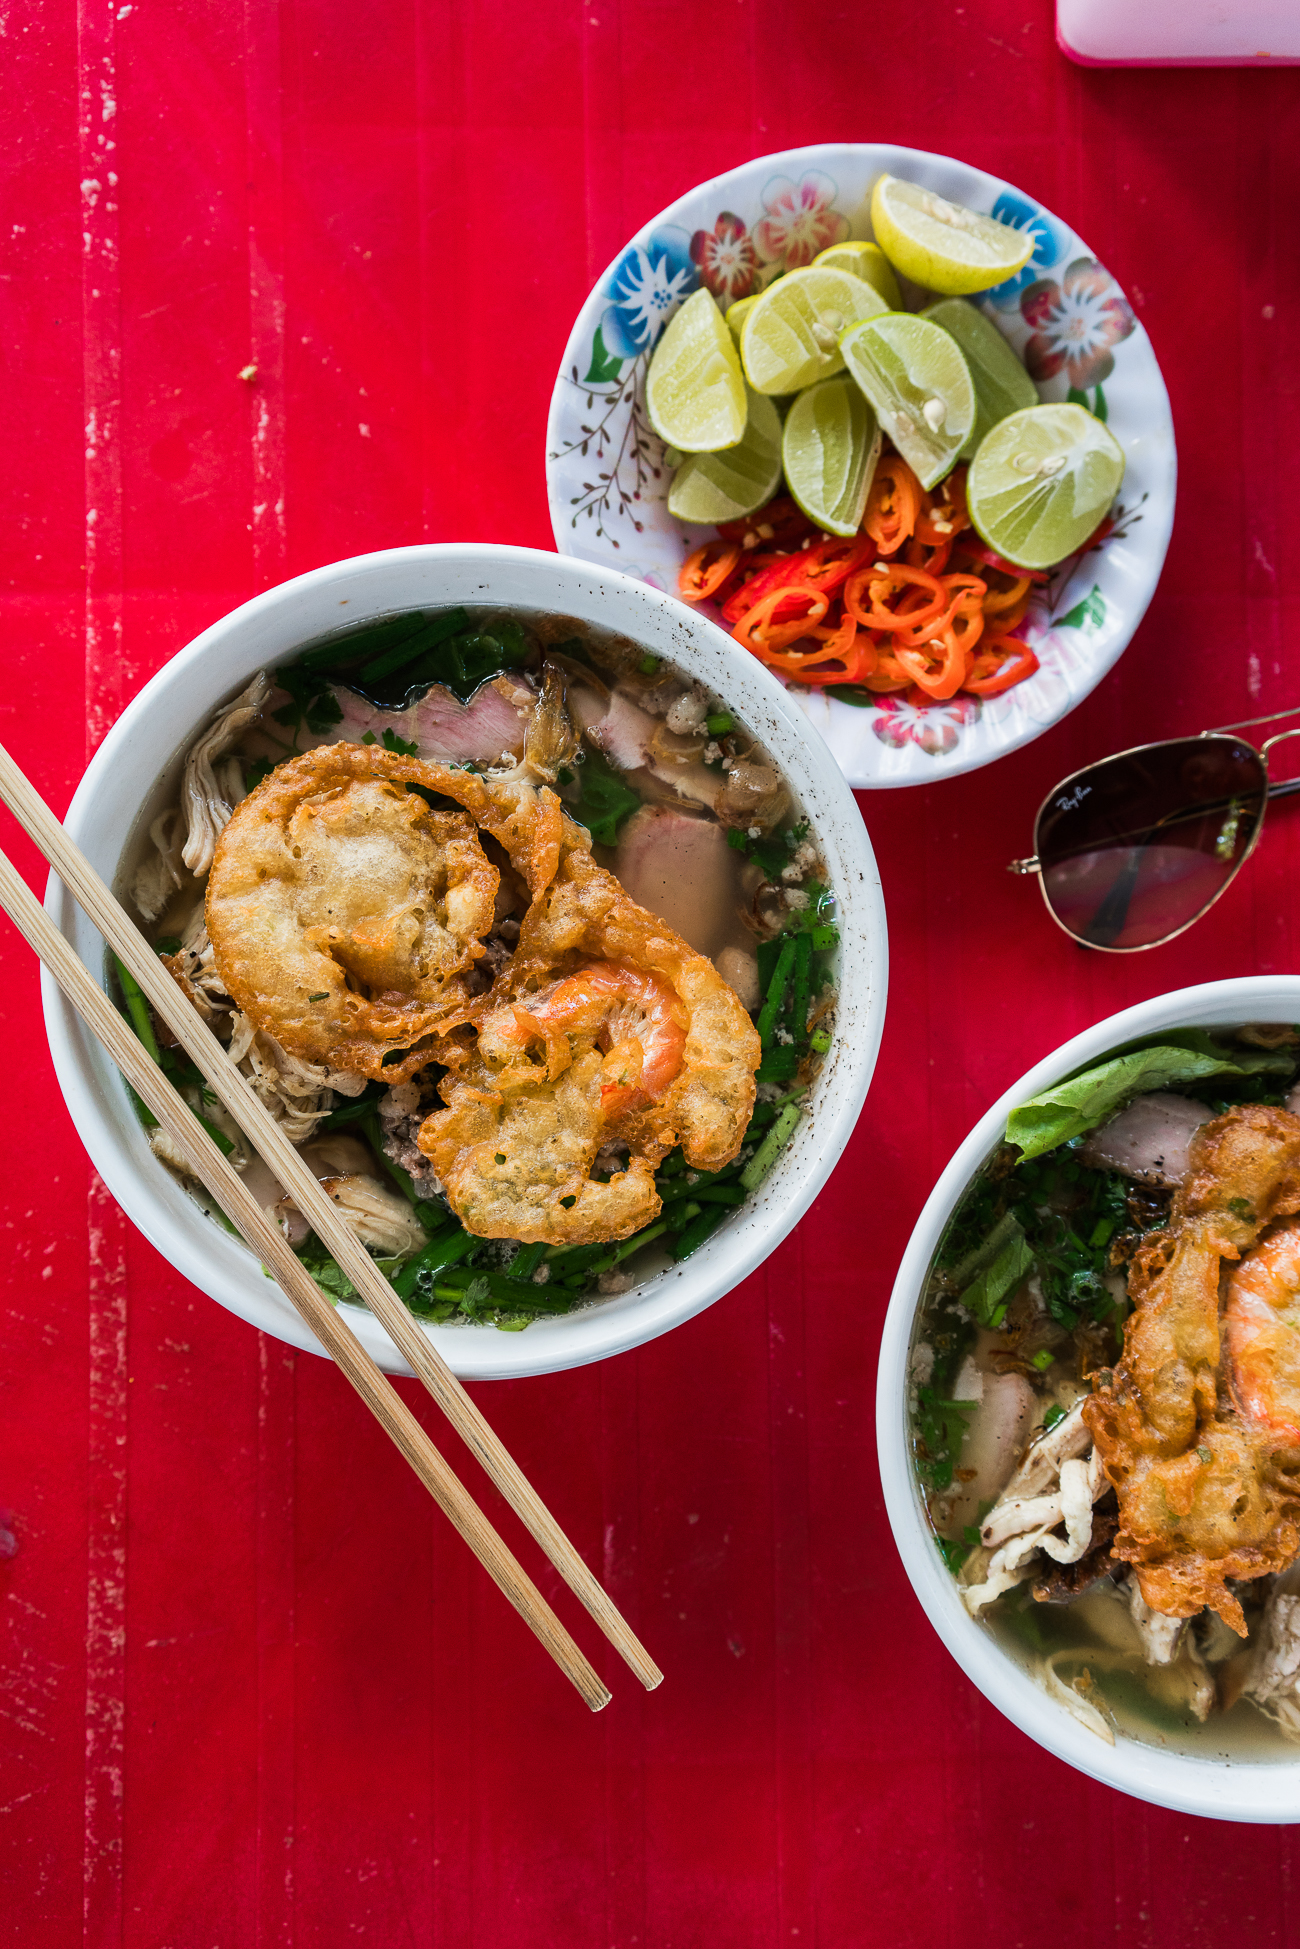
x=1179, y=33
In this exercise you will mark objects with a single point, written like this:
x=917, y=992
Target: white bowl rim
x=96, y=1098
x=1238, y=1790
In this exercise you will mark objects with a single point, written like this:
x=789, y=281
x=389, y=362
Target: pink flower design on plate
x=936, y=728
x=725, y=258
x=1075, y=323
x=800, y=220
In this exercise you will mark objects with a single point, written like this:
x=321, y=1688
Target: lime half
x=791, y=337
x=715, y=487
x=830, y=449
x=694, y=391
x=1041, y=482
x=917, y=380
x=867, y=261
x=737, y=314
x=1001, y=383
x=942, y=245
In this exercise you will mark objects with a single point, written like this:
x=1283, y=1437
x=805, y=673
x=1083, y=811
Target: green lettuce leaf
x=989, y=1295
x=1079, y=1104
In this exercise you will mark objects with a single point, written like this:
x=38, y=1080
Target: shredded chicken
x=1274, y=1681
x=206, y=800
x=158, y=876
x=1057, y=1484
x=381, y=1218
x=1160, y=1635
x=297, y=1094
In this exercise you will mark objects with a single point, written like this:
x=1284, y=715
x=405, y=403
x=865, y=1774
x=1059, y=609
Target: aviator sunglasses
x=1130, y=851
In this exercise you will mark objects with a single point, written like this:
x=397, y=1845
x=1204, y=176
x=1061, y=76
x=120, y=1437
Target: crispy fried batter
x=1204, y=1497
x=344, y=912
x=514, y=1148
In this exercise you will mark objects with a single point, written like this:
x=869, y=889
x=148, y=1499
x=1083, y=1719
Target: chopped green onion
x=719, y=724
x=1043, y=1359
x=138, y=1010
x=648, y=665
x=819, y=1041
x=769, y=1014
x=771, y=1147
x=1054, y=1414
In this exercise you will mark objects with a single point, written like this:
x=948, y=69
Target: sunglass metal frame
x=1034, y=865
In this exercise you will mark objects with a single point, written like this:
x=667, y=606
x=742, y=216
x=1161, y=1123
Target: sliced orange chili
x=779, y=571
x=918, y=553
x=847, y=647
x=939, y=674
x=996, y=600
x=897, y=579
x=942, y=514
x=757, y=630
x=959, y=593
x=892, y=505
x=1003, y=662
x=704, y=571
x=888, y=674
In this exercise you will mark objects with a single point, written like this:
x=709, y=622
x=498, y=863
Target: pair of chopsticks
x=263, y=1235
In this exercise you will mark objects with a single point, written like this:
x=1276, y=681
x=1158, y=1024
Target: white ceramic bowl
x=1228, y=1784
x=607, y=479
x=133, y=775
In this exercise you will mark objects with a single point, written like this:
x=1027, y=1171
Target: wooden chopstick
x=266, y=1239
x=234, y=1091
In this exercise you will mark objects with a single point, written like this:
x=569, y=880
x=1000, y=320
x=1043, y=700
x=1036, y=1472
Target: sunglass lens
x=1135, y=848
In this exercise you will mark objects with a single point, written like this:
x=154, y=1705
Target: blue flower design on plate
x=649, y=282
x=1049, y=245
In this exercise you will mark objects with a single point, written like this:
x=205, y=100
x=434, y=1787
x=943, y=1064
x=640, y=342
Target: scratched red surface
x=253, y=1690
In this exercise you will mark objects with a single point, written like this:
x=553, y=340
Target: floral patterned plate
x=1063, y=313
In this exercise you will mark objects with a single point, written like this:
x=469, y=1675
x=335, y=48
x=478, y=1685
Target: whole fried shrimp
x=345, y=910
x=606, y=1028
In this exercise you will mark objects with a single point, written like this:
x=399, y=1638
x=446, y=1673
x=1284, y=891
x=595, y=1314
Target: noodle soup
x=671, y=1045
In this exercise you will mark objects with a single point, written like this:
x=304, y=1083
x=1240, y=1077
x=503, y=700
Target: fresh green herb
x=1079, y=1104
x=168, y=944
x=953, y=1553
x=940, y=1427
x=255, y=771
x=605, y=803
x=1241, y=1208
x=991, y=1292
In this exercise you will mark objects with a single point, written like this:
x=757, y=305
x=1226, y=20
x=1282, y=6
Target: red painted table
x=254, y=1692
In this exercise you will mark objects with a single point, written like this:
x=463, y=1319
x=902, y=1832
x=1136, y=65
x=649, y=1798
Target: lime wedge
x=867, y=261
x=830, y=448
x=737, y=314
x=941, y=245
x=1041, y=482
x=1001, y=383
x=917, y=380
x=694, y=390
x=715, y=487
x=791, y=337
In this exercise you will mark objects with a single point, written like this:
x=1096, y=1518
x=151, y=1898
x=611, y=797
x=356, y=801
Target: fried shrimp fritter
x=345, y=911
x=607, y=1029
x=1208, y=1488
